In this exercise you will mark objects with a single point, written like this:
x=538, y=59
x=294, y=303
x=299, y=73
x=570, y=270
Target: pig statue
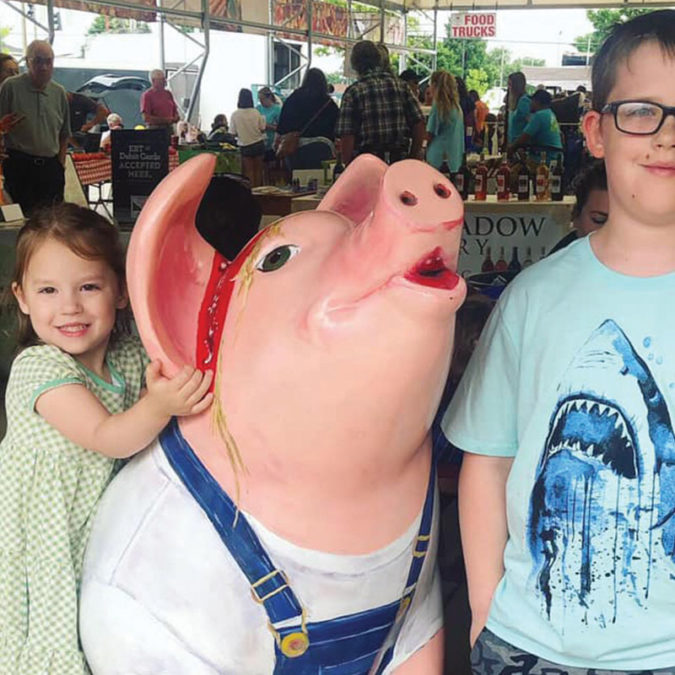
x=291, y=529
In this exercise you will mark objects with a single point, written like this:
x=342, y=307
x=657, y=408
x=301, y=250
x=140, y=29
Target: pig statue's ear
x=355, y=193
x=169, y=264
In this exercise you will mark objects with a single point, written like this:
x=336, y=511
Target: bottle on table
x=542, y=189
x=468, y=138
x=528, y=257
x=338, y=168
x=501, y=265
x=488, y=265
x=462, y=179
x=543, y=253
x=556, y=182
x=480, y=191
x=523, y=184
x=504, y=182
x=514, y=264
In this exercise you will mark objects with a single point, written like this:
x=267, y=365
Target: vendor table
x=532, y=226
x=227, y=161
x=279, y=202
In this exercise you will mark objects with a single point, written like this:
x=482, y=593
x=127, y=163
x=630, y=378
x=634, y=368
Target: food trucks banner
x=522, y=232
x=473, y=25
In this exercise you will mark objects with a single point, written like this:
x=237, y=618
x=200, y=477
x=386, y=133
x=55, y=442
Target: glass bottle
x=480, y=191
x=338, y=168
x=556, y=182
x=523, y=184
x=514, y=264
x=504, y=182
x=528, y=257
x=542, y=190
x=488, y=265
x=501, y=265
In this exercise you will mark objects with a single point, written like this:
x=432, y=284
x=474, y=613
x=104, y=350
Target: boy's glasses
x=640, y=118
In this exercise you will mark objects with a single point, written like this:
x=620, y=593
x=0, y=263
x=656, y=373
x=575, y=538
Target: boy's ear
x=18, y=294
x=593, y=133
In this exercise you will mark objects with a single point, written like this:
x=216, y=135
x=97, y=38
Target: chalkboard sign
x=140, y=159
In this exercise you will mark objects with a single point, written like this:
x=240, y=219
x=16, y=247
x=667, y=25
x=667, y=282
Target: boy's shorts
x=492, y=656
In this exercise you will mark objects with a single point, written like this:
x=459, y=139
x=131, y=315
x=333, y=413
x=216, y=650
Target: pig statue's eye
x=277, y=258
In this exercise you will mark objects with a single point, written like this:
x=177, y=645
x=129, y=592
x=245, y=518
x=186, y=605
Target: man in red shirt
x=157, y=104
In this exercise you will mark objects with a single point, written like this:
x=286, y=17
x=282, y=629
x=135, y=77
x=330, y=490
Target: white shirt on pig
x=161, y=593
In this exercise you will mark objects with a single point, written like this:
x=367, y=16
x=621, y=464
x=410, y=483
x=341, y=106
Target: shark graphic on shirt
x=602, y=505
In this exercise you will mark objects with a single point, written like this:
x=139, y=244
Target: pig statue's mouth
x=431, y=270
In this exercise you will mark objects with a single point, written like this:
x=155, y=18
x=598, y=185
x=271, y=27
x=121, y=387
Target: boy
x=569, y=395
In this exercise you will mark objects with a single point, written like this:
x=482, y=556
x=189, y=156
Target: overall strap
x=269, y=585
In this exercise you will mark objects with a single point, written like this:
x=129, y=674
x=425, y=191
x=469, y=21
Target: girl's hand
x=182, y=394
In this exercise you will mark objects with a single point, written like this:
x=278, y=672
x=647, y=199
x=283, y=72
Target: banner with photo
x=140, y=14
x=326, y=18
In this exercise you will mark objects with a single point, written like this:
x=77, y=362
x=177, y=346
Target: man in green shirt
x=36, y=144
x=541, y=134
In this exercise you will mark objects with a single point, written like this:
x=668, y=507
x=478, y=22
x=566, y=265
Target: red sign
x=473, y=25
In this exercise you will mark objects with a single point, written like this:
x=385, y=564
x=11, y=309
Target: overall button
x=294, y=644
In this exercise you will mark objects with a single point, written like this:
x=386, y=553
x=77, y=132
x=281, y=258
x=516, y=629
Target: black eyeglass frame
x=614, y=106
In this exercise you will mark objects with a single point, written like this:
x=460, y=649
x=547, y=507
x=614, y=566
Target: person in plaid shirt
x=379, y=113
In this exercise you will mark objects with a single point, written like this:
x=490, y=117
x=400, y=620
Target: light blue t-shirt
x=518, y=118
x=544, y=131
x=574, y=377
x=271, y=116
x=448, y=139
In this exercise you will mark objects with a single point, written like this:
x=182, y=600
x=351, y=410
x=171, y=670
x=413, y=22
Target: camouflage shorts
x=492, y=656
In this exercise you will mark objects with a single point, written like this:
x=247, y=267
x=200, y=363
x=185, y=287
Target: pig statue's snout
x=420, y=197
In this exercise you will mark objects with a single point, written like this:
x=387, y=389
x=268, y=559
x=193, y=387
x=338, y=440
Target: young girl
x=77, y=384
x=446, y=123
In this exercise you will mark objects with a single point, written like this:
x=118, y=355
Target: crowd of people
x=380, y=113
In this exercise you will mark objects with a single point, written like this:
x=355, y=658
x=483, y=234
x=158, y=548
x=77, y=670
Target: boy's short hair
x=624, y=39
x=409, y=75
x=542, y=97
x=593, y=177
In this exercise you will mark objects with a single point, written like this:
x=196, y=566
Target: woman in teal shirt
x=446, y=123
x=519, y=106
x=270, y=109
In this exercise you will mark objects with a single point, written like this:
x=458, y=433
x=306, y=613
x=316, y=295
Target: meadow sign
x=473, y=25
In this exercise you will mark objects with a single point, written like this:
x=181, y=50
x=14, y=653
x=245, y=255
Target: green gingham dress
x=49, y=489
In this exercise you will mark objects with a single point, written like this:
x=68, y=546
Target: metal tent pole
x=206, y=26
x=434, y=58
x=50, y=21
x=162, y=52
x=310, y=25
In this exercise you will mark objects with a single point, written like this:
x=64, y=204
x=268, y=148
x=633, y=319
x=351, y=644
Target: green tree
x=107, y=24
x=470, y=59
x=603, y=20
x=4, y=33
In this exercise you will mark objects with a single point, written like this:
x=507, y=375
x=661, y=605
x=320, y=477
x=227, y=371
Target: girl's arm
x=482, y=520
x=79, y=416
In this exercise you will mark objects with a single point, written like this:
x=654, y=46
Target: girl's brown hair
x=87, y=234
x=446, y=94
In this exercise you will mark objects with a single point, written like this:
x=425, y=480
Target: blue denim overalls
x=345, y=645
